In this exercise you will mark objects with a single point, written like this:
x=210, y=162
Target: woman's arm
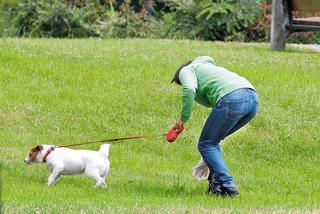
x=189, y=83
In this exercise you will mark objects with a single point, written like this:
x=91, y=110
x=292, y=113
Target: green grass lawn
x=70, y=91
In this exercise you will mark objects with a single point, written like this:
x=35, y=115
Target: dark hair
x=176, y=75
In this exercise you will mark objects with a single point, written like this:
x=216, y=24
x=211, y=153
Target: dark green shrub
x=212, y=20
x=54, y=18
x=127, y=23
x=226, y=20
x=25, y=17
x=304, y=37
x=6, y=4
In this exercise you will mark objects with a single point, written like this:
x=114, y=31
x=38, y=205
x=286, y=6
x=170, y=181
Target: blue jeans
x=232, y=112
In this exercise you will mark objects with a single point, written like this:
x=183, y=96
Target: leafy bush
x=304, y=37
x=236, y=20
x=127, y=23
x=2, y=22
x=54, y=19
x=212, y=20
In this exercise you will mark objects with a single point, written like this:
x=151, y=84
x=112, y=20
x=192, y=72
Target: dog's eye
x=29, y=154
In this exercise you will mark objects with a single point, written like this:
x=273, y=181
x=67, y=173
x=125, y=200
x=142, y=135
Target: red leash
x=170, y=137
x=114, y=139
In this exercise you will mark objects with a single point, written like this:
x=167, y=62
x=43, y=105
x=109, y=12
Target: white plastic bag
x=201, y=170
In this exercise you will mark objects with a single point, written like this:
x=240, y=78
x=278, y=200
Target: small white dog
x=64, y=161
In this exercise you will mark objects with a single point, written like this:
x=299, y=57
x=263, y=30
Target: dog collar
x=48, y=152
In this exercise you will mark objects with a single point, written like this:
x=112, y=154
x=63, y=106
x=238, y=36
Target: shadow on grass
x=130, y=188
x=176, y=187
x=165, y=190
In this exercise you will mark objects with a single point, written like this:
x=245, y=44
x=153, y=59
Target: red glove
x=173, y=134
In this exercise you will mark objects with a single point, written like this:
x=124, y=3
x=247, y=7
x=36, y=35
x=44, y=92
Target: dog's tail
x=104, y=150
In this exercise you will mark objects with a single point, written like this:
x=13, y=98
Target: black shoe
x=214, y=189
x=229, y=191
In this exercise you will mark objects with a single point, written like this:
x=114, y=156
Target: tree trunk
x=278, y=24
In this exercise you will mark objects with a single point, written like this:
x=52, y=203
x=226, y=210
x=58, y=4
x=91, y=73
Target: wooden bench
x=284, y=23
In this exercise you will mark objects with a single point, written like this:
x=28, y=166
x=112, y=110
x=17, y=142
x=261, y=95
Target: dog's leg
x=95, y=176
x=54, y=175
x=103, y=184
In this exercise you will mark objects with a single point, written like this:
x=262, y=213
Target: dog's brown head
x=32, y=157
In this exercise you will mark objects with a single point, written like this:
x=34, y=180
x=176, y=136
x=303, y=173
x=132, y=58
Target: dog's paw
x=103, y=186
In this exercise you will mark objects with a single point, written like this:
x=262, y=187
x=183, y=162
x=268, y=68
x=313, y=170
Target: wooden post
x=278, y=24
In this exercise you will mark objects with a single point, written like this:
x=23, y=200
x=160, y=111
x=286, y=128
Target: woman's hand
x=179, y=124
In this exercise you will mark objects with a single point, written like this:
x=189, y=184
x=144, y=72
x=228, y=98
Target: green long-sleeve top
x=207, y=83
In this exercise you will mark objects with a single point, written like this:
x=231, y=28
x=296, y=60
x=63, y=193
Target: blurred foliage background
x=223, y=20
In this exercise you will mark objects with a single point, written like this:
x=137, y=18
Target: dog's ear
x=39, y=148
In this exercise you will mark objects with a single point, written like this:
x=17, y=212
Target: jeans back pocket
x=235, y=109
